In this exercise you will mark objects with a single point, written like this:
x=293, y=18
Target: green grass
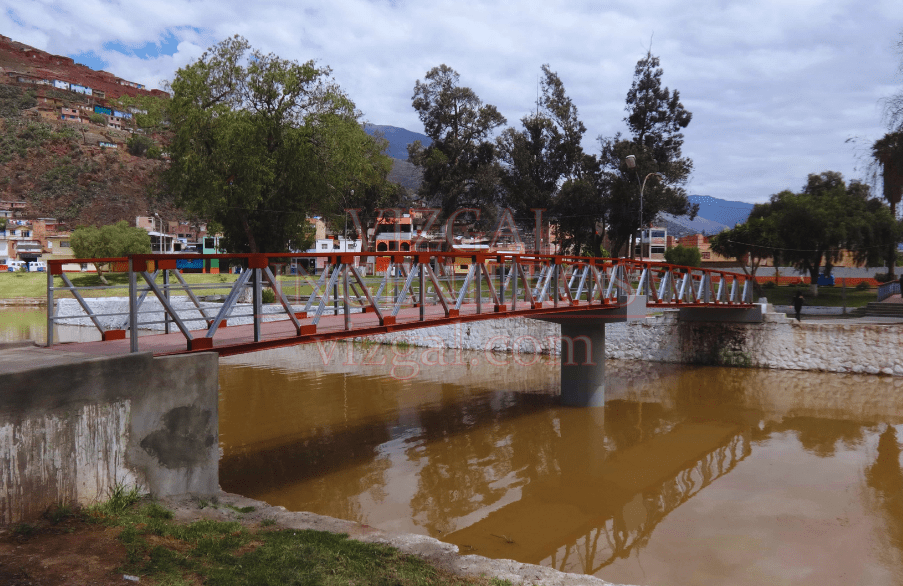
x=229, y=554
x=14, y=285
x=827, y=296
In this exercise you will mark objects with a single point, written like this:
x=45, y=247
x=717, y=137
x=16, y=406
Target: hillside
x=725, y=212
x=21, y=60
x=398, y=139
x=60, y=170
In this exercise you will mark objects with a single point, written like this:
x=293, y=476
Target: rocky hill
x=61, y=170
x=21, y=60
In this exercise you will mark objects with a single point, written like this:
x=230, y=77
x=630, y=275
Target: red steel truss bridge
x=339, y=300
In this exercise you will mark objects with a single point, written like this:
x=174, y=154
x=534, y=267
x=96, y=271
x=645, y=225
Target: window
x=658, y=250
x=64, y=244
x=324, y=247
x=658, y=233
x=706, y=255
x=24, y=233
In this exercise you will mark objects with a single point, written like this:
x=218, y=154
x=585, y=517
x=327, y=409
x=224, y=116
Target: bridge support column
x=583, y=364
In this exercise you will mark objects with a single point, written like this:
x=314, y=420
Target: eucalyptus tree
x=545, y=167
x=655, y=119
x=259, y=143
x=460, y=167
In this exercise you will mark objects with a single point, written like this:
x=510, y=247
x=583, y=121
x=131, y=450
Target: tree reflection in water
x=886, y=478
x=578, y=489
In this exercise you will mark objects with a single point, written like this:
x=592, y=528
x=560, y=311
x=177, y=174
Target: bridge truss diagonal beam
x=417, y=289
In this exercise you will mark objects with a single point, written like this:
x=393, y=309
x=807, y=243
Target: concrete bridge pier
x=583, y=364
x=583, y=349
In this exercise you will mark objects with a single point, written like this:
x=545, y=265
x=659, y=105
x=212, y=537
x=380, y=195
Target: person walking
x=798, y=304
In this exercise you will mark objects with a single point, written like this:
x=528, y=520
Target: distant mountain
x=682, y=226
x=714, y=216
x=722, y=211
x=399, y=139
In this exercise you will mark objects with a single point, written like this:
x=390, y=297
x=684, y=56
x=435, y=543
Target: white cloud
x=775, y=87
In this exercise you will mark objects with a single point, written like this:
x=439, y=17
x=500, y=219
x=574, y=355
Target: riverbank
x=183, y=539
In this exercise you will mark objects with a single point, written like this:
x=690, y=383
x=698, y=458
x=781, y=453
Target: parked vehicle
x=14, y=265
x=37, y=266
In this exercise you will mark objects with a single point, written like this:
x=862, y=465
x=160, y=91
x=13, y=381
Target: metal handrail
x=888, y=289
x=498, y=282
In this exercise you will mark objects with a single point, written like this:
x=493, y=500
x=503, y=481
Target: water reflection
x=688, y=475
x=21, y=323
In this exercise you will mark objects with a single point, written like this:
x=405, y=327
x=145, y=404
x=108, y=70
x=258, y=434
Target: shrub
x=863, y=286
x=769, y=285
x=268, y=295
x=98, y=119
x=688, y=256
x=138, y=145
x=883, y=277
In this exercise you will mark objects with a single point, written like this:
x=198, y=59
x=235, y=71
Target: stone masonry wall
x=776, y=342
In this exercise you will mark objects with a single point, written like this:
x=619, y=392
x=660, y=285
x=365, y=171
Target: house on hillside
x=70, y=114
x=80, y=89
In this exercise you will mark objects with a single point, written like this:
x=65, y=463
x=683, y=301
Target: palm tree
x=888, y=153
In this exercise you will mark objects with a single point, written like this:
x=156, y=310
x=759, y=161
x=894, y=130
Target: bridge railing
x=441, y=286
x=888, y=289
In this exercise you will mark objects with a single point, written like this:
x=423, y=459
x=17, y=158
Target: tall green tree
x=460, y=167
x=750, y=243
x=259, y=143
x=815, y=226
x=888, y=154
x=655, y=119
x=893, y=106
x=111, y=241
x=545, y=167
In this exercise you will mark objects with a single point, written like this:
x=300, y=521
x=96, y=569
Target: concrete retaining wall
x=73, y=426
x=776, y=342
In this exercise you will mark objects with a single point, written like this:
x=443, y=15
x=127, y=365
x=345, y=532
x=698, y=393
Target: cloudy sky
x=776, y=88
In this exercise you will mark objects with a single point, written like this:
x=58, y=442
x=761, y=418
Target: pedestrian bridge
x=340, y=300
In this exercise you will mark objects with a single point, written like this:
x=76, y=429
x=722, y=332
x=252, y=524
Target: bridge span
x=418, y=289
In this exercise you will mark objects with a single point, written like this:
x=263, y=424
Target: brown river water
x=688, y=475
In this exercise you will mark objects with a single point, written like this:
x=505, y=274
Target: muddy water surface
x=688, y=475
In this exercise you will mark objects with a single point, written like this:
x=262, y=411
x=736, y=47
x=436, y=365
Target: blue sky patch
x=167, y=45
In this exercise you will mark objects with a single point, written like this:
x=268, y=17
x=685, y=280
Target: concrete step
x=883, y=309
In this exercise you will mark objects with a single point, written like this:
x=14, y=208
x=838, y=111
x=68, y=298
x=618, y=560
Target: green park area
x=827, y=296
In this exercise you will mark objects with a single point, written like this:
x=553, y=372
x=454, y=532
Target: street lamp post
x=160, y=233
x=631, y=163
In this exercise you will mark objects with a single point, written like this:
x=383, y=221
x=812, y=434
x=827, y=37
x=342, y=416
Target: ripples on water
x=688, y=475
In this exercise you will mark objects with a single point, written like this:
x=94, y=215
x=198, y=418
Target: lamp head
x=631, y=161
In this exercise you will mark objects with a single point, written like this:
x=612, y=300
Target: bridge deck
x=239, y=339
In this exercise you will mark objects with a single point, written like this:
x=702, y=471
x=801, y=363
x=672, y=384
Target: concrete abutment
x=74, y=426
